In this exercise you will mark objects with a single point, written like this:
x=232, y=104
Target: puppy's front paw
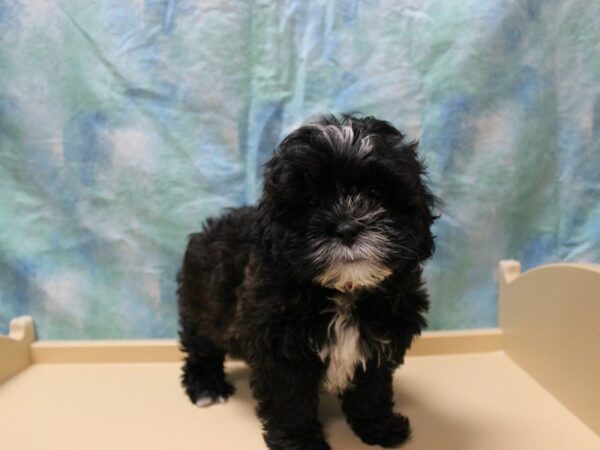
x=205, y=394
x=206, y=399
x=390, y=431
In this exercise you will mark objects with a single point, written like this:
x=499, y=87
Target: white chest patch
x=343, y=350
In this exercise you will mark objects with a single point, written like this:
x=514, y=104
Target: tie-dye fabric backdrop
x=124, y=123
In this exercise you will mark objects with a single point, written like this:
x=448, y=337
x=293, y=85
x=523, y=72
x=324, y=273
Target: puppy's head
x=346, y=203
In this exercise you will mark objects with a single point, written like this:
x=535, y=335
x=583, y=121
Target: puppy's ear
x=281, y=177
x=275, y=173
x=423, y=197
x=427, y=245
x=429, y=203
x=264, y=224
x=272, y=174
x=268, y=208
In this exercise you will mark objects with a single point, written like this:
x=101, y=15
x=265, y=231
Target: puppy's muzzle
x=348, y=231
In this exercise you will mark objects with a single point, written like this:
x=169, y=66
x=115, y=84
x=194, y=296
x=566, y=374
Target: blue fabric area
x=124, y=124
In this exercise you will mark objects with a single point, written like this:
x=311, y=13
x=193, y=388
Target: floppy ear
x=272, y=230
x=423, y=198
x=281, y=178
x=429, y=202
x=272, y=174
x=427, y=246
x=271, y=210
x=266, y=204
x=264, y=225
x=274, y=181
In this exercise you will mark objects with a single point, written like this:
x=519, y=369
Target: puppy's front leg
x=368, y=406
x=287, y=405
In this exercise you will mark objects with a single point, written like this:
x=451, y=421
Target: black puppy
x=319, y=285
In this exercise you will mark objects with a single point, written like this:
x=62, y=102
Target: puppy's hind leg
x=203, y=376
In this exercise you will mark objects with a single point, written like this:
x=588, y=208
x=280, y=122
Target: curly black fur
x=319, y=285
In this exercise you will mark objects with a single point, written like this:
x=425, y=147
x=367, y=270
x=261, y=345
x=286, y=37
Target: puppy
x=317, y=286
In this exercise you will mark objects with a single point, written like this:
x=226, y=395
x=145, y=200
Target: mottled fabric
x=125, y=123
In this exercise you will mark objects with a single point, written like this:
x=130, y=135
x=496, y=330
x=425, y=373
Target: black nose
x=347, y=232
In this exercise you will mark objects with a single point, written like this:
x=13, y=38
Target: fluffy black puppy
x=319, y=285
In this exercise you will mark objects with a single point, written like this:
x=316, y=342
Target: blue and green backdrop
x=125, y=123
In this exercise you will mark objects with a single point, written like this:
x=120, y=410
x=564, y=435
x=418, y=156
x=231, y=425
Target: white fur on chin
x=349, y=276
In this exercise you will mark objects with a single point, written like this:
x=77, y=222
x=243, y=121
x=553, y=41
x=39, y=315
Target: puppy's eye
x=375, y=193
x=312, y=200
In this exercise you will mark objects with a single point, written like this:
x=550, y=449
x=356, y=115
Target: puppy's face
x=347, y=203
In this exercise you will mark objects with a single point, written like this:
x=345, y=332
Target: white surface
x=456, y=402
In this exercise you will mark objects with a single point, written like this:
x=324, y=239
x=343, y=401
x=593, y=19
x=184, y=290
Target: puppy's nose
x=347, y=232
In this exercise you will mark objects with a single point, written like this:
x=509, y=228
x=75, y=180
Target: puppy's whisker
x=408, y=250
